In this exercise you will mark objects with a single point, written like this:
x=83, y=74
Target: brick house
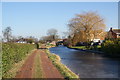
x=117, y=31
x=113, y=33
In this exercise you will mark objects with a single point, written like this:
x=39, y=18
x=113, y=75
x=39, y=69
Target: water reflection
x=86, y=64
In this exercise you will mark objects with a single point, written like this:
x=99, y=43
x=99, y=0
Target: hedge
x=13, y=53
x=111, y=47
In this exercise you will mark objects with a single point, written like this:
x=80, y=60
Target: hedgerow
x=13, y=53
x=111, y=47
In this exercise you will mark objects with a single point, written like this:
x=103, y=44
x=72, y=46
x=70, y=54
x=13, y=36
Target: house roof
x=116, y=30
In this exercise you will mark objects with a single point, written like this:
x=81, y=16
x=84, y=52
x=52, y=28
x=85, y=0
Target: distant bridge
x=59, y=42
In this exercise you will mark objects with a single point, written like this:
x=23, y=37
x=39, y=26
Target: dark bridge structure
x=59, y=43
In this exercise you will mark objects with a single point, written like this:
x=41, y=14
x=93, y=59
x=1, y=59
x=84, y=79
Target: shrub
x=13, y=53
x=111, y=47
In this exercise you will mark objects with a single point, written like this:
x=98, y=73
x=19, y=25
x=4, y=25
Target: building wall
x=111, y=35
x=118, y=35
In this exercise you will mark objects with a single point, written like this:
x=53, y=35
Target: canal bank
x=97, y=51
x=63, y=69
x=87, y=64
x=94, y=51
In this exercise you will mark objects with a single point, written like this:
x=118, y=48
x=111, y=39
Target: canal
x=87, y=64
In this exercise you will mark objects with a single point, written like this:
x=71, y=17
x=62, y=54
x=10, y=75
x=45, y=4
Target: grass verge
x=38, y=72
x=66, y=72
x=79, y=47
x=98, y=47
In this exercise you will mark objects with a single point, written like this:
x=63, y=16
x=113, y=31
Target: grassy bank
x=110, y=48
x=98, y=47
x=13, y=53
x=79, y=47
x=66, y=72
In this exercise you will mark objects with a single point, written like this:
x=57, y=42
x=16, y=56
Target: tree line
x=8, y=37
x=83, y=27
x=52, y=35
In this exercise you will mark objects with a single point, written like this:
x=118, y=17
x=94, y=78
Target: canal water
x=87, y=64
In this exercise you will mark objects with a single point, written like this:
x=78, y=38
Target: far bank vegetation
x=86, y=27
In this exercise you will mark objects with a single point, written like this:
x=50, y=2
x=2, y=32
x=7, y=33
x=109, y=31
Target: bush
x=111, y=47
x=13, y=53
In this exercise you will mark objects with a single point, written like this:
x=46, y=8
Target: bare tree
x=45, y=39
x=52, y=33
x=88, y=25
x=7, y=33
x=65, y=34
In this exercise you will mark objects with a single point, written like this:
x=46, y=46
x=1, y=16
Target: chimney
x=111, y=29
